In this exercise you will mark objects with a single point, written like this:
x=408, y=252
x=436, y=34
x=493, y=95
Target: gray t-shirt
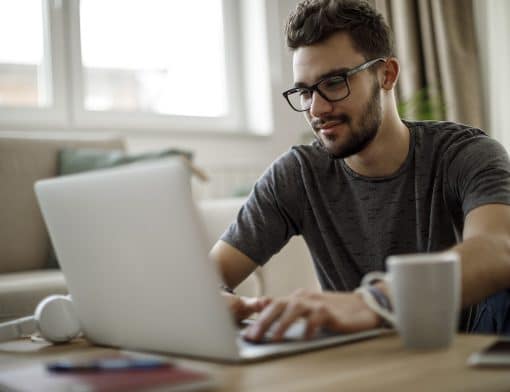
x=351, y=223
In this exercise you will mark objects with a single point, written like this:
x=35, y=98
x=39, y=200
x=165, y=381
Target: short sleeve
x=479, y=173
x=272, y=214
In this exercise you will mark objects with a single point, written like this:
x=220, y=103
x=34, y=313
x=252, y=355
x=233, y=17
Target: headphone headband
x=54, y=318
x=17, y=328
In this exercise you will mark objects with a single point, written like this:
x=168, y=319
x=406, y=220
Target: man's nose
x=320, y=105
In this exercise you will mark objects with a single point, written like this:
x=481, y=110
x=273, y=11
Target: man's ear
x=391, y=72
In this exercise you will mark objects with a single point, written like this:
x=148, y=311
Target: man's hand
x=244, y=307
x=337, y=312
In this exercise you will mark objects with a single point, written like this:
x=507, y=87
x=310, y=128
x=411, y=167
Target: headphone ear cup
x=56, y=319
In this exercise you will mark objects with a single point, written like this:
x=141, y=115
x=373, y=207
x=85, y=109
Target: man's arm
x=233, y=265
x=485, y=252
x=485, y=258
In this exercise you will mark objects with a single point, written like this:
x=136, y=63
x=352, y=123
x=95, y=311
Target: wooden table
x=379, y=364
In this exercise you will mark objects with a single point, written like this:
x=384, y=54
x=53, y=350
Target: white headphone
x=54, y=318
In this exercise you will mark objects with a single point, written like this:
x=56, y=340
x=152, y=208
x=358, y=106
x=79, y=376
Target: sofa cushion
x=24, y=159
x=85, y=159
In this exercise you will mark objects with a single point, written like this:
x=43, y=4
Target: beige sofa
x=24, y=243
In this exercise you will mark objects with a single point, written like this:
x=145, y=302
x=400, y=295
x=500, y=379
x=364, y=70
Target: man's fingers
x=318, y=318
x=255, y=304
x=294, y=310
x=335, y=311
x=258, y=329
x=243, y=307
x=264, y=301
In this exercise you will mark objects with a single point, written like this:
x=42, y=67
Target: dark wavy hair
x=314, y=21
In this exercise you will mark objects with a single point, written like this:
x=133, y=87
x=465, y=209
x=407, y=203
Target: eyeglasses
x=332, y=88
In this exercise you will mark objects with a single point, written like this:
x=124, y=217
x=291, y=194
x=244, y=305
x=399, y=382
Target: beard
x=361, y=135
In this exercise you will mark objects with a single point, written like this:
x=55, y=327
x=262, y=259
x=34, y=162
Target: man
x=369, y=186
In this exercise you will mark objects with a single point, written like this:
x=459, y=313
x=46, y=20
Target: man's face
x=348, y=126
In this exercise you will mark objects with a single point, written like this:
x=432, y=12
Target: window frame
x=55, y=114
x=62, y=39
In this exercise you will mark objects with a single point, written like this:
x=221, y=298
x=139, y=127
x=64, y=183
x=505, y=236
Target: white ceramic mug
x=425, y=291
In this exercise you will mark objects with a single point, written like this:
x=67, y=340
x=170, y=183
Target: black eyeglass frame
x=315, y=87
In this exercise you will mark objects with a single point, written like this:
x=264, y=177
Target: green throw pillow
x=77, y=160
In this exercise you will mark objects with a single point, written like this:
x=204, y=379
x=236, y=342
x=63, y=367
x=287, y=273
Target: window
x=120, y=64
x=143, y=63
x=24, y=74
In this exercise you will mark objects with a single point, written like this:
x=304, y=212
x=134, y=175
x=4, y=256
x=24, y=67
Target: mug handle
x=371, y=276
x=369, y=299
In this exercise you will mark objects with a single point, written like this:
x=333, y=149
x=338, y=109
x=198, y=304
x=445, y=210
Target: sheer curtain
x=436, y=44
x=494, y=35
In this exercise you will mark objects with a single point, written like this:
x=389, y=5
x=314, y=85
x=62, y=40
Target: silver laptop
x=132, y=248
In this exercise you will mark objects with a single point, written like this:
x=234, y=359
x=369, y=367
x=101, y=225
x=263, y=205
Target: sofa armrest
x=286, y=272
x=216, y=216
x=22, y=291
x=26, y=157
